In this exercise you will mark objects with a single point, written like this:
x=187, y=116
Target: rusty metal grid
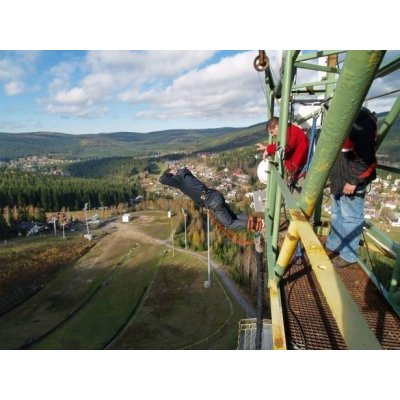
x=382, y=320
x=309, y=323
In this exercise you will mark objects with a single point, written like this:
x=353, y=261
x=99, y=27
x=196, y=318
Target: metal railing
x=346, y=95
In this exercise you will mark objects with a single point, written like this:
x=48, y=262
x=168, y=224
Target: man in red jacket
x=296, y=149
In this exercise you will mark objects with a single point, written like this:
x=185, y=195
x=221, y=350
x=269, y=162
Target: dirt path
x=62, y=296
x=132, y=231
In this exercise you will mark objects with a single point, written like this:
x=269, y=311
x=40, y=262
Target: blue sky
x=106, y=91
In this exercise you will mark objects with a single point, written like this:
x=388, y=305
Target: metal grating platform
x=382, y=320
x=309, y=323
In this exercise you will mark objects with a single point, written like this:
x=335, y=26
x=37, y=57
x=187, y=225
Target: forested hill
x=128, y=144
x=14, y=145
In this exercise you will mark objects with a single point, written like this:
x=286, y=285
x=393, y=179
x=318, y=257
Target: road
x=134, y=233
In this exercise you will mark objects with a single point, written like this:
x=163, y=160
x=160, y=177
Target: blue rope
x=312, y=139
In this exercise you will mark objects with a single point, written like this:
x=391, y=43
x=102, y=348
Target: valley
x=126, y=292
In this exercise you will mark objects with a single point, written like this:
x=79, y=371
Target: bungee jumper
x=211, y=199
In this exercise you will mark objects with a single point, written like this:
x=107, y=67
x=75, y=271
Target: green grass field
x=93, y=326
x=126, y=294
x=180, y=312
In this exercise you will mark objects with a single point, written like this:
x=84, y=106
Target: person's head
x=365, y=120
x=272, y=126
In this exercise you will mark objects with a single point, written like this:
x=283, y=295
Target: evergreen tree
x=4, y=228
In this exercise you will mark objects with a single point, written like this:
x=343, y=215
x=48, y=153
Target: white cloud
x=11, y=74
x=62, y=73
x=115, y=75
x=230, y=88
x=13, y=88
x=14, y=67
x=145, y=65
x=169, y=84
x=75, y=96
x=9, y=70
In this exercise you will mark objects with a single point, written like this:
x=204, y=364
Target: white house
x=126, y=217
x=390, y=204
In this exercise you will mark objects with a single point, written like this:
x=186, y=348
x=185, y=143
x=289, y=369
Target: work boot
x=251, y=222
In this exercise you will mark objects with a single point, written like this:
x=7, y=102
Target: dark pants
x=223, y=214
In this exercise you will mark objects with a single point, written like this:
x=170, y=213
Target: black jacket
x=356, y=164
x=187, y=183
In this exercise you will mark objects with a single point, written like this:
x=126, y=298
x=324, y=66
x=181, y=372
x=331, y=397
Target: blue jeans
x=346, y=226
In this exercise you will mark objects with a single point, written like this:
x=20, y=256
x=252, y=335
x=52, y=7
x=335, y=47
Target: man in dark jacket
x=211, y=199
x=353, y=171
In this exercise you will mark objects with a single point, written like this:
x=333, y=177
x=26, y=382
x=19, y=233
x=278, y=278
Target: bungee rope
x=232, y=236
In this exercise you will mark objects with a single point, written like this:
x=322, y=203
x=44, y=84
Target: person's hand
x=349, y=189
x=260, y=147
x=173, y=169
x=271, y=149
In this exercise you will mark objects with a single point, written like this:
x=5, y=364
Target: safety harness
x=254, y=224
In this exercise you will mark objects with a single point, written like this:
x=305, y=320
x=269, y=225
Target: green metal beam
x=390, y=248
x=271, y=256
x=392, y=296
x=388, y=168
x=308, y=116
x=291, y=61
x=269, y=79
x=354, y=82
x=316, y=83
x=318, y=54
x=352, y=325
x=357, y=75
x=269, y=85
x=388, y=122
x=388, y=68
x=283, y=119
x=295, y=55
x=306, y=91
x=329, y=89
x=289, y=199
x=394, y=284
x=278, y=325
x=278, y=332
x=382, y=238
x=287, y=195
x=316, y=67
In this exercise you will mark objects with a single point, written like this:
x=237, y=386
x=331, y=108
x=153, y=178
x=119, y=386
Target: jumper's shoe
x=260, y=225
x=340, y=263
x=255, y=223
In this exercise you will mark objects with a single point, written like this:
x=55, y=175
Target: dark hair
x=272, y=123
x=365, y=120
